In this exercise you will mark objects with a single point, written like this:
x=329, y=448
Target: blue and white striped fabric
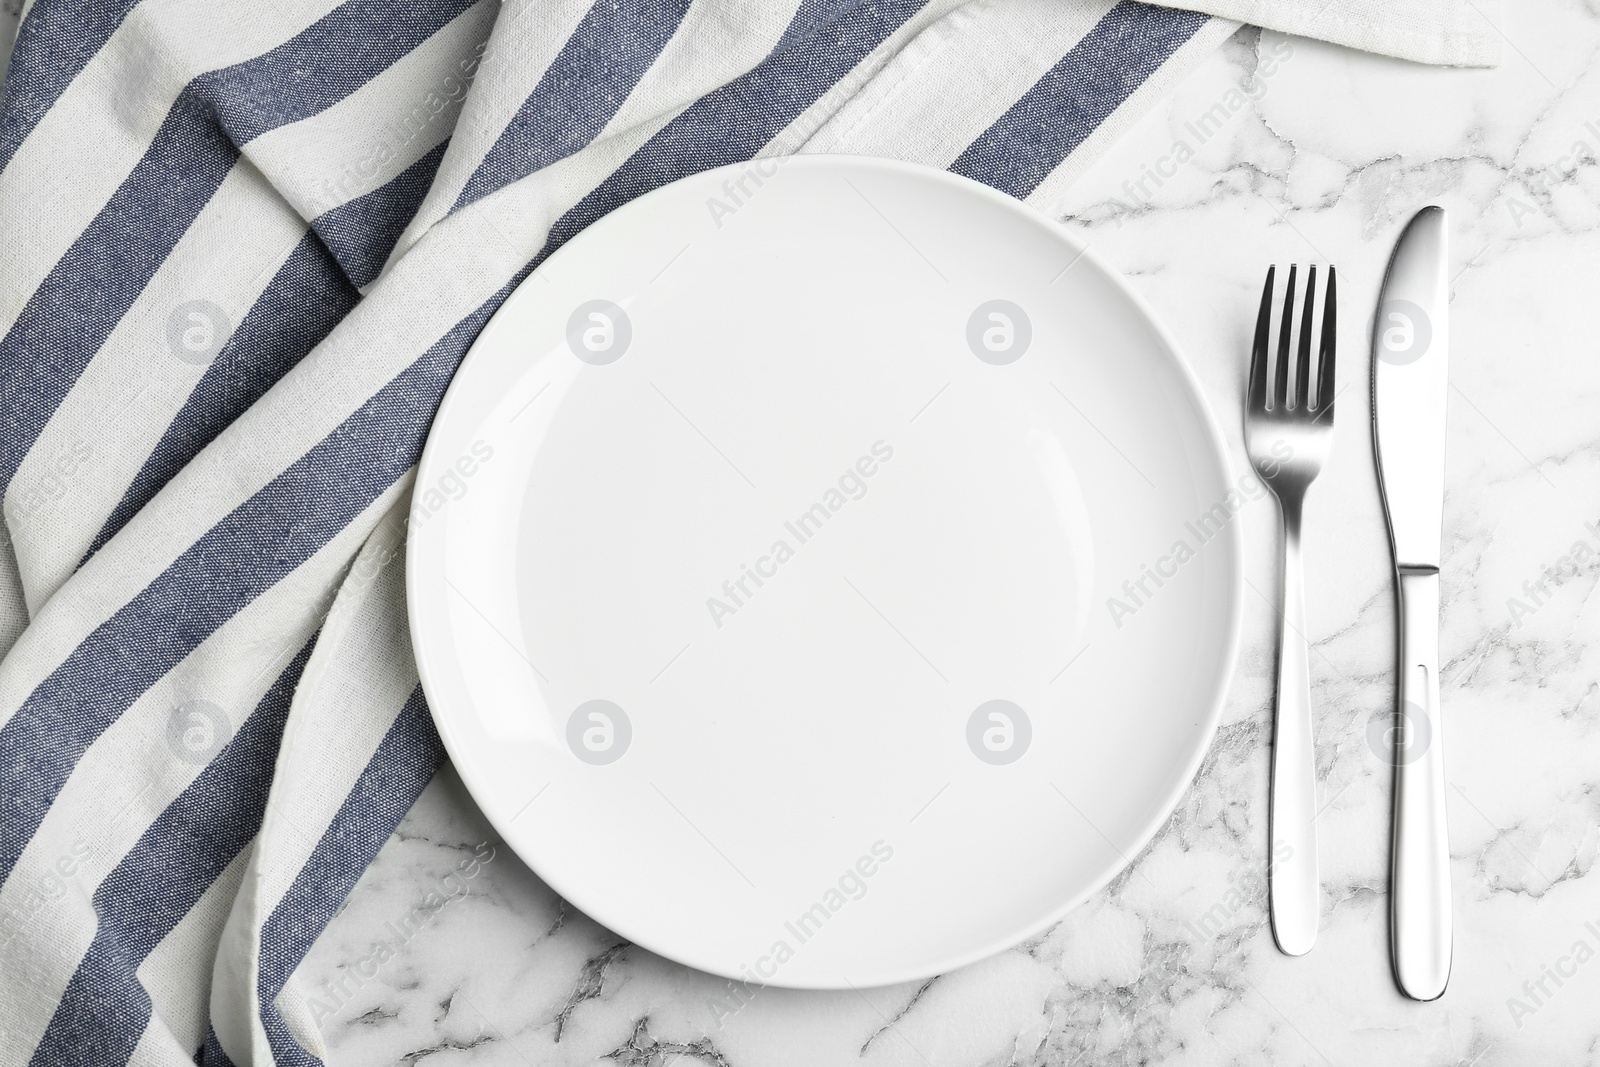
x=244, y=248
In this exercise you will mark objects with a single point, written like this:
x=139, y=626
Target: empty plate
x=823, y=572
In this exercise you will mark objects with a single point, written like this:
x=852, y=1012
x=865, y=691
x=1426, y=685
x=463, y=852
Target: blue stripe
x=81, y=300
x=54, y=43
x=826, y=39
x=244, y=555
x=402, y=765
x=212, y=1053
x=597, y=68
x=76, y=307
x=362, y=232
x=1070, y=102
x=332, y=58
x=105, y=1007
x=297, y=309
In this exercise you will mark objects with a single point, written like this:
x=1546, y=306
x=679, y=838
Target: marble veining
x=1325, y=156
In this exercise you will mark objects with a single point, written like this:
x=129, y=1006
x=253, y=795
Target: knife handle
x=1420, y=924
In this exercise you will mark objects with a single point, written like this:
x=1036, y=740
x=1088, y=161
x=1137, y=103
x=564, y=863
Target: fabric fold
x=1453, y=33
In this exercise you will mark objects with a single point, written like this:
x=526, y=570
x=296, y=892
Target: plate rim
x=1233, y=536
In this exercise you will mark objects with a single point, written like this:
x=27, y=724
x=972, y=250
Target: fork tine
x=1302, y=366
x=1281, y=385
x=1325, y=351
x=1256, y=399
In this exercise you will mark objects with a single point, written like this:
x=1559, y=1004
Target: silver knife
x=1410, y=381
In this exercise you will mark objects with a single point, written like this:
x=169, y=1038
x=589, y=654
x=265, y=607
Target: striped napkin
x=244, y=248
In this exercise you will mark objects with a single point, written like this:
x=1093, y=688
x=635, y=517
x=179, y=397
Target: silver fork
x=1287, y=440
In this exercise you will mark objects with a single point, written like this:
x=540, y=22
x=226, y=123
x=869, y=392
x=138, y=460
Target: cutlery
x=1409, y=383
x=1287, y=438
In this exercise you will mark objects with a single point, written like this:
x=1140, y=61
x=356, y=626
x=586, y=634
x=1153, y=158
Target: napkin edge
x=1450, y=48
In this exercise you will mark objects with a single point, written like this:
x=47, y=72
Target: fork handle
x=1420, y=924
x=1294, y=897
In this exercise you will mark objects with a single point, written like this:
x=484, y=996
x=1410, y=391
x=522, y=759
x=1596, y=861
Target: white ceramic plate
x=762, y=566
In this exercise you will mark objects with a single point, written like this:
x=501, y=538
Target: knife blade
x=1410, y=384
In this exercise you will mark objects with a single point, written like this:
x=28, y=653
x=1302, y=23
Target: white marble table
x=1174, y=962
